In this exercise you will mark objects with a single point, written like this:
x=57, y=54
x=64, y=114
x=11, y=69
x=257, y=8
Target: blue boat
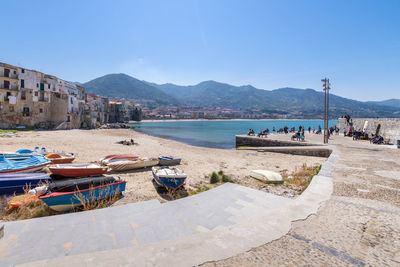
x=96, y=188
x=11, y=183
x=168, y=161
x=29, y=163
x=169, y=177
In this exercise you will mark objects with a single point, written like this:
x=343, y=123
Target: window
x=48, y=86
x=37, y=85
x=22, y=83
x=36, y=94
x=25, y=112
x=23, y=71
x=41, y=110
x=42, y=86
x=15, y=72
x=6, y=84
x=11, y=108
x=23, y=95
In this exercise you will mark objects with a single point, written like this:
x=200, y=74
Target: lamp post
x=326, y=109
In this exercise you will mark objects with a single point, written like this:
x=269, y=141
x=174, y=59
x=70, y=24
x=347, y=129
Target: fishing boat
x=125, y=165
x=169, y=177
x=11, y=183
x=77, y=170
x=28, y=163
x=169, y=161
x=67, y=194
x=117, y=157
x=56, y=158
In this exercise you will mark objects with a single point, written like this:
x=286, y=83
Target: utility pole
x=326, y=109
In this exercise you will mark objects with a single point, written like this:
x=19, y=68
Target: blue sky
x=268, y=44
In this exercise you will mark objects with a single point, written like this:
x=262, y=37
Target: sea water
x=215, y=133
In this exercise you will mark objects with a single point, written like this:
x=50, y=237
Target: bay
x=215, y=133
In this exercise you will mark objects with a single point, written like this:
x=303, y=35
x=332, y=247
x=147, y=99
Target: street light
x=327, y=87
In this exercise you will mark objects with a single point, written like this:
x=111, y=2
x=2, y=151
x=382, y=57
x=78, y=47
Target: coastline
x=176, y=120
x=197, y=162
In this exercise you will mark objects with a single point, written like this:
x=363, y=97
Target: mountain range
x=303, y=103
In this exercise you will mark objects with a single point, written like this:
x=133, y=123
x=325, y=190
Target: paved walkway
x=358, y=226
x=134, y=225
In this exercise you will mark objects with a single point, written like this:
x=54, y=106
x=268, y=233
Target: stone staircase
x=134, y=225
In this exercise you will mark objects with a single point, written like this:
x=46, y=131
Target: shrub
x=227, y=179
x=214, y=178
x=220, y=173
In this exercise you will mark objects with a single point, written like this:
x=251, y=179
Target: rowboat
x=11, y=183
x=267, y=176
x=29, y=163
x=77, y=170
x=65, y=195
x=117, y=157
x=169, y=161
x=170, y=178
x=125, y=165
x=60, y=159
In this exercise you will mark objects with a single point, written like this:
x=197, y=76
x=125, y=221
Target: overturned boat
x=57, y=158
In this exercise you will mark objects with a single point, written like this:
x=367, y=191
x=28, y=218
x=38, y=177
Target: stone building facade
x=33, y=99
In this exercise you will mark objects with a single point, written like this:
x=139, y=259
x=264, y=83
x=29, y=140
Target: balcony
x=9, y=76
x=9, y=88
x=43, y=99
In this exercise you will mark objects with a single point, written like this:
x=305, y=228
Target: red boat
x=77, y=170
x=60, y=159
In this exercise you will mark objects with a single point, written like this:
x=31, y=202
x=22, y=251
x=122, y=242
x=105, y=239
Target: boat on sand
x=169, y=161
x=169, y=177
x=56, y=158
x=125, y=165
x=77, y=170
x=67, y=194
x=117, y=157
x=11, y=183
x=29, y=163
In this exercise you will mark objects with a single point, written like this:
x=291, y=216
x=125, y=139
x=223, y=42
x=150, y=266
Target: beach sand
x=197, y=162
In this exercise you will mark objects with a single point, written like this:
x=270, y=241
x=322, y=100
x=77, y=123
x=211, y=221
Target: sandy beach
x=197, y=162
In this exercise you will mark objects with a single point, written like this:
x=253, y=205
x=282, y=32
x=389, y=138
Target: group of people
x=298, y=135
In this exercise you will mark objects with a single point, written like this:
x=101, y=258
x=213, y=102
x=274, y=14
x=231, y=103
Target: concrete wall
x=254, y=141
x=390, y=127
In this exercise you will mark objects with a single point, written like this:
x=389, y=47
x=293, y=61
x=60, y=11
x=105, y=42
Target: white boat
x=117, y=157
x=170, y=177
x=125, y=165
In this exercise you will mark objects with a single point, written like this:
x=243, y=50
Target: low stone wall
x=254, y=141
x=390, y=127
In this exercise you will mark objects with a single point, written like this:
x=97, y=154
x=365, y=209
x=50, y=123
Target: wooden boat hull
x=132, y=165
x=30, y=164
x=62, y=160
x=78, y=172
x=169, y=161
x=170, y=182
x=15, y=183
x=63, y=201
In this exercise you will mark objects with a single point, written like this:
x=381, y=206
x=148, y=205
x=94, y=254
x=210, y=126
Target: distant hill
x=124, y=86
x=301, y=103
x=304, y=102
x=390, y=103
